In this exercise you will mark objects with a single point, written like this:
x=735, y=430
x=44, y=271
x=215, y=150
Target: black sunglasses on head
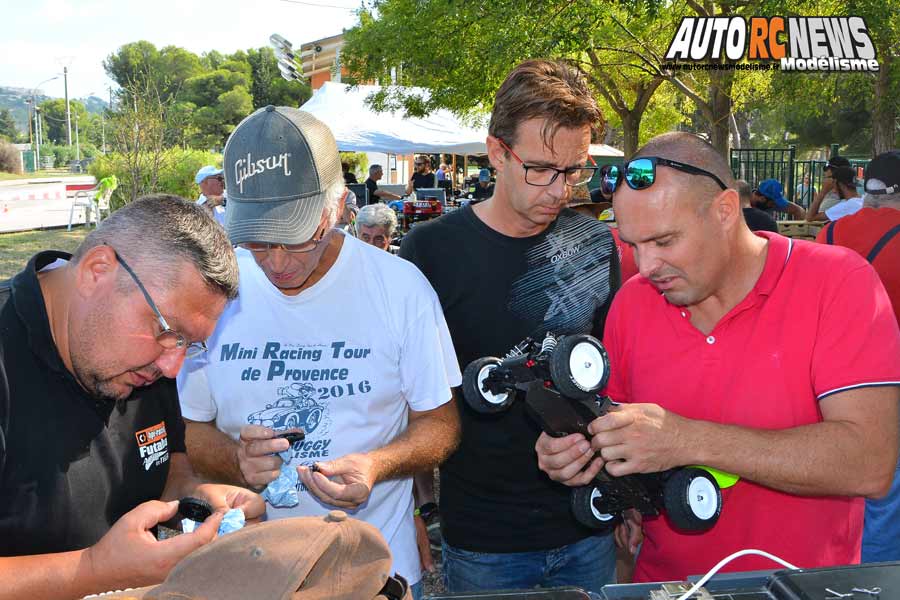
x=640, y=173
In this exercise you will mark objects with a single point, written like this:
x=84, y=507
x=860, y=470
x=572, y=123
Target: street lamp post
x=37, y=123
x=68, y=111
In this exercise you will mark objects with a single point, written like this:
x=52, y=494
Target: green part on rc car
x=725, y=480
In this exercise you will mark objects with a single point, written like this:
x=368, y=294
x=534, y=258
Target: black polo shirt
x=70, y=465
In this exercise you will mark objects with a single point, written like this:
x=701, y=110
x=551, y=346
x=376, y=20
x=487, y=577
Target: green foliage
x=206, y=96
x=268, y=86
x=8, y=130
x=63, y=154
x=359, y=163
x=142, y=64
x=175, y=174
x=464, y=77
x=53, y=117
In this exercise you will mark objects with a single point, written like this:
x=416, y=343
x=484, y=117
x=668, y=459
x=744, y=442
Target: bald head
x=693, y=150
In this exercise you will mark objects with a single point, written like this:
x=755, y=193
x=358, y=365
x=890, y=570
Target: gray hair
x=332, y=210
x=378, y=215
x=159, y=230
x=879, y=200
x=374, y=169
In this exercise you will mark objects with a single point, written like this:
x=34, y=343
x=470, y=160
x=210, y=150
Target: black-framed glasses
x=640, y=173
x=168, y=338
x=542, y=176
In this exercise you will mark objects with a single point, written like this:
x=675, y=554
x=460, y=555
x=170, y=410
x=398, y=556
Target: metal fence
x=801, y=178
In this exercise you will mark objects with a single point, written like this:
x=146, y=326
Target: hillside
x=14, y=98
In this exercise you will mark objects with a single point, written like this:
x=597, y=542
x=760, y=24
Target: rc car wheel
x=478, y=399
x=692, y=499
x=586, y=513
x=579, y=366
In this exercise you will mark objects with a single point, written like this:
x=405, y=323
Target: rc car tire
x=582, y=500
x=692, y=499
x=579, y=366
x=477, y=399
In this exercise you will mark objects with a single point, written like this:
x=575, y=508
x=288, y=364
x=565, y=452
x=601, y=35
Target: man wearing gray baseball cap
x=329, y=335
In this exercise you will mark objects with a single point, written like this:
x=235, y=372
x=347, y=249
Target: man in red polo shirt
x=774, y=359
x=874, y=231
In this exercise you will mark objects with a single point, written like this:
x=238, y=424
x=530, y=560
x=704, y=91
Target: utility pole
x=37, y=139
x=30, y=110
x=68, y=110
x=77, y=145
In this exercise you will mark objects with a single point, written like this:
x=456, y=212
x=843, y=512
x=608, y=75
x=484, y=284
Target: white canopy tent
x=604, y=150
x=357, y=128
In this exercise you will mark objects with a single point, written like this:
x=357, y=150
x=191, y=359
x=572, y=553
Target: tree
x=465, y=77
x=53, y=117
x=140, y=64
x=140, y=130
x=8, y=130
x=268, y=87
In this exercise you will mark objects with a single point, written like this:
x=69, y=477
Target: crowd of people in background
x=168, y=354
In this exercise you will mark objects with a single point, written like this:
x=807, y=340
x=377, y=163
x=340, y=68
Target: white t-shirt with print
x=843, y=209
x=343, y=360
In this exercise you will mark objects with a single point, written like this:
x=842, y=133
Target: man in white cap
x=330, y=335
x=212, y=191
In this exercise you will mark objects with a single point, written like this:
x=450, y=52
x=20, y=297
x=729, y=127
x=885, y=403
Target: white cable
x=727, y=560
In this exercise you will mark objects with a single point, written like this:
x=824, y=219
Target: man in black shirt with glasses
x=91, y=435
x=523, y=265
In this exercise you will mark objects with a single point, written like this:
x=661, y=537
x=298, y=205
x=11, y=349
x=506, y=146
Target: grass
x=17, y=248
x=38, y=175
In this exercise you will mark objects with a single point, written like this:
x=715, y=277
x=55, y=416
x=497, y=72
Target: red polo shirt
x=818, y=322
x=864, y=229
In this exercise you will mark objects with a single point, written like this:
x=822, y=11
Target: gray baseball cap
x=279, y=164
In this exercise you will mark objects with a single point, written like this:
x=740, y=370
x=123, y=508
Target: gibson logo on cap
x=245, y=169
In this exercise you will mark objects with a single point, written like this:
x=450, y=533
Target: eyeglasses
x=265, y=247
x=541, y=176
x=640, y=173
x=168, y=338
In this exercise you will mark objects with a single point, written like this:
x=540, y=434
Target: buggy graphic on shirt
x=295, y=407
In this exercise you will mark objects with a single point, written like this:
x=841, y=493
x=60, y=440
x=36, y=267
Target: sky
x=39, y=37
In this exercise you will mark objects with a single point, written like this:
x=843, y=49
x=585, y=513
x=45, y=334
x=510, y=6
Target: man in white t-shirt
x=845, y=185
x=212, y=191
x=838, y=186
x=329, y=335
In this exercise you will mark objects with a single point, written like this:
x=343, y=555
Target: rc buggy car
x=561, y=377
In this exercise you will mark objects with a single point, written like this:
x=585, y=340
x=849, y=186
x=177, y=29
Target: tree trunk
x=631, y=129
x=884, y=115
x=743, y=126
x=720, y=105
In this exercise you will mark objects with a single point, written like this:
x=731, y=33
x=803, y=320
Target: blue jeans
x=589, y=564
x=417, y=590
x=881, y=532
